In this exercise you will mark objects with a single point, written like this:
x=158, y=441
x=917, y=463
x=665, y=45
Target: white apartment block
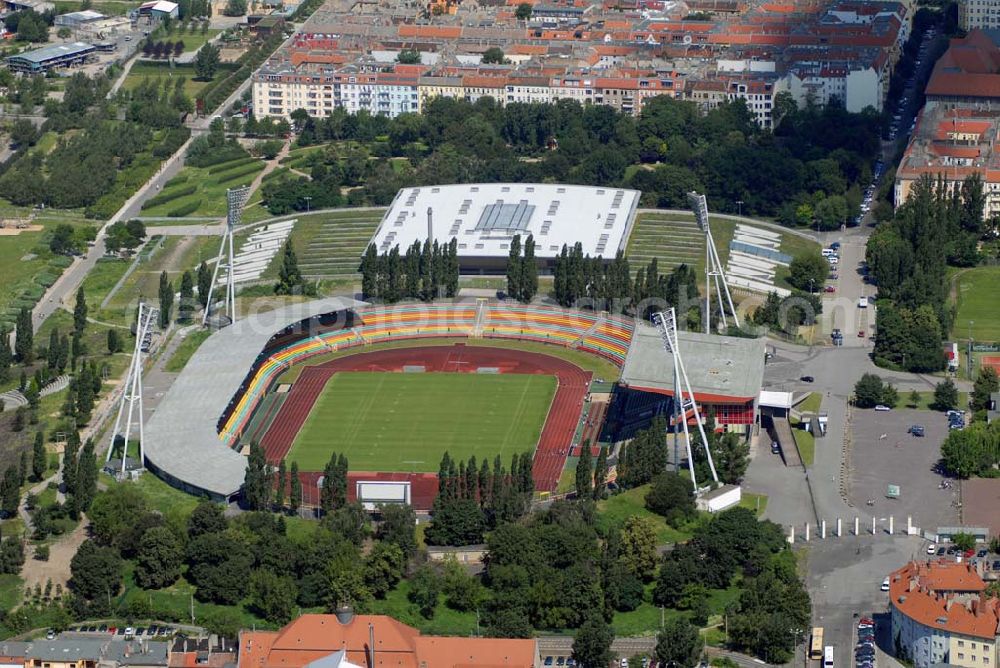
x=982, y=14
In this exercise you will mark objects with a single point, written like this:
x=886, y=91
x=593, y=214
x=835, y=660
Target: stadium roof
x=47, y=53
x=181, y=437
x=719, y=368
x=485, y=216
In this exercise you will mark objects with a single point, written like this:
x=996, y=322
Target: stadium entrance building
x=725, y=373
x=483, y=218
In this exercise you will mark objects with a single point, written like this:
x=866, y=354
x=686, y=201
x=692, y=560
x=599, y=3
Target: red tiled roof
x=927, y=592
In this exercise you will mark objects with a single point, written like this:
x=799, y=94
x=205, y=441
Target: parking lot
x=883, y=453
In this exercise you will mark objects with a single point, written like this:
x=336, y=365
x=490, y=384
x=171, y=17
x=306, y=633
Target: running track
x=557, y=433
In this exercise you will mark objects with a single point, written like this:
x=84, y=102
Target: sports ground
x=977, y=304
x=391, y=421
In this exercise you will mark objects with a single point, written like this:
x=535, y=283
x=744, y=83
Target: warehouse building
x=51, y=57
x=485, y=217
x=75, y=20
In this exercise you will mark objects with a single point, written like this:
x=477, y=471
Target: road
x=625, y=648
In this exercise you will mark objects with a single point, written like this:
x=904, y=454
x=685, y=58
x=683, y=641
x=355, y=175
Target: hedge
x=176, y=181
x=42, y=281
x=228, y=153
x=232, y=164
x=186, y=209
x=169, y=196
x=236, y=174
x=280, y=171
x=60, y=261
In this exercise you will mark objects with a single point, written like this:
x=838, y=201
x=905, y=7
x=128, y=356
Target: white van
x=828, y=657
x=863, y=302
x=828, y=252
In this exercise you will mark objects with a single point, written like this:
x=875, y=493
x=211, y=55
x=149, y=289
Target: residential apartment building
x=375, y=641
x=855, y=78
x=940, y=615
x=978, y=14
x=968, y=73
x=951, y=144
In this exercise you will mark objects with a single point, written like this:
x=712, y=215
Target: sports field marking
x=405, y=422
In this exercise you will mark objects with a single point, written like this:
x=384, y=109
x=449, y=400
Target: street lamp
x=308, y=199
x=739, y=208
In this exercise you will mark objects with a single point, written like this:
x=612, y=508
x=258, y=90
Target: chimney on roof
x=345, y=614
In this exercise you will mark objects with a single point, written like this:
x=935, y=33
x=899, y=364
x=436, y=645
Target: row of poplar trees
x=426, y=271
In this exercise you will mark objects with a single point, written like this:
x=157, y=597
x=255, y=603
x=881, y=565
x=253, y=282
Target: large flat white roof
x=484, y=217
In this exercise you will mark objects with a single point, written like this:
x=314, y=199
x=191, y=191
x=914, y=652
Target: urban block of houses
x=346, y=640
x=941, y=615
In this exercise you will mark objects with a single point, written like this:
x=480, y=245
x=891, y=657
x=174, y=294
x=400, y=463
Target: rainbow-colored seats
x=595, y=333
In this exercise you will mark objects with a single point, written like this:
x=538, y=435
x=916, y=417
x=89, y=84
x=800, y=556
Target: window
x=961, y=643
x=961, y=656
x=973, y=645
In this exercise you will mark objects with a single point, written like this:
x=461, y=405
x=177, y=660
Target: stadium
x=394, y=387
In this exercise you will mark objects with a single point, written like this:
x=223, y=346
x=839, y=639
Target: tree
x=257, y=480
x=384, y=568
x=425, y=589
x=80, y=314
x=219, y=566
x=493, y=56
x=637, y=547
x=514, y=268
x=10, y=492
x=289, y=277
x=114, y=342
x=831, y=212
x=39, y=458
x=964, y=541
x=601, y=474
x=671, y=496
x=272, y=596
x=166, y=294
x=279, y=488
x=186, y=306
x=808, y=271
x=945, y=395
x=23, y=132
x=868, y=391
x=158, y=559
x=206, y=63
x=24, y=341
x=204, y=284
x=584, y=472
x=986, y=384
x=592, y=642
x=528, y=281
x=523, y=13
x=235, y=8
x=295, y=493
x=206, y=518
x=678, y=643
x=456, y=522
x=96, y=573
x=398, y=526
x=408, y=57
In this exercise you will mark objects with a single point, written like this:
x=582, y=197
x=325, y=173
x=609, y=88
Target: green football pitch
x=977, y=304
x=407, y=421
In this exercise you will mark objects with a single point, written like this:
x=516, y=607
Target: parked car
x=775, y=448
x=829, y=288
x=916, y=430
x=882, y=407
x=941, y=551
x=885, y=584
x=807, y=379
x=932, y=548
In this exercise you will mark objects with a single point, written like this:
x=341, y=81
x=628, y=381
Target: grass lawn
x=754, y=502
x=193, y=39
x=806, y=444
x=445, y=621
x=977, y=303
x=647, y=618
x=810, y=404
x=405, y=422
x=186, y=349
x=142, y=71
x=11, y=590
x=927, y=398
x=631, y=503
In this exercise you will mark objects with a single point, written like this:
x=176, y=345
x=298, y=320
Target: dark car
x=982, y=553
x=996, y=565
x=916, y=430
x=835, y=245
x=941, y=551
x=775, y=448
x=807, y=379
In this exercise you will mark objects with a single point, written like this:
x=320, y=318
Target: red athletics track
x=557, y=433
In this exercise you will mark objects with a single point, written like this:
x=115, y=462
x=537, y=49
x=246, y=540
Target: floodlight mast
x=714, y=272
x=235, y=199
x=666, y=322
x=132, y=391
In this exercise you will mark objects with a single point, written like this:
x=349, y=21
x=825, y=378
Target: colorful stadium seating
x=594, y=333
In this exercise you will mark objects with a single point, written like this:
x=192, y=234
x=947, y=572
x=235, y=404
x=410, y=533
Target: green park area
x=201, y=191
x=407, y=421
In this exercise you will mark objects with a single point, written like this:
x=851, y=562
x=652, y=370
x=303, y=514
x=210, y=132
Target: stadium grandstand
x=484, y=217
x=234, y=390
x=725, y=373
